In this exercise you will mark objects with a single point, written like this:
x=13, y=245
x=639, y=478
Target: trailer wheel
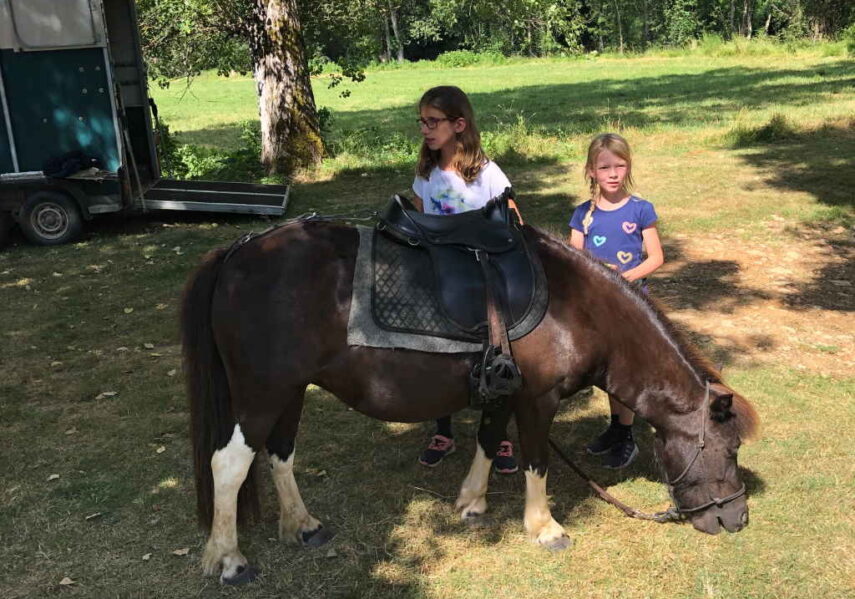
x=50, y=218
x=6, y=222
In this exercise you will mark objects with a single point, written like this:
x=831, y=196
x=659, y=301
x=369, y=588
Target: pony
x=262, y=322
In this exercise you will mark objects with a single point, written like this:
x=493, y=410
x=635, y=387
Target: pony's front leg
x=472, y=500
x=534, y=419
x=230, y=466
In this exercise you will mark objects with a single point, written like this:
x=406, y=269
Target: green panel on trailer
x=6, y=165
x=59, y=101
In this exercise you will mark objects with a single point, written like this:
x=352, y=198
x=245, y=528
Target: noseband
x=699, y=448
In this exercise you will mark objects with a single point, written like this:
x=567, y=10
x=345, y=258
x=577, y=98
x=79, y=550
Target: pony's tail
x=211, y=418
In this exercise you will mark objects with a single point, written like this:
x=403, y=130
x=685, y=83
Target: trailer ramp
x=217, y=196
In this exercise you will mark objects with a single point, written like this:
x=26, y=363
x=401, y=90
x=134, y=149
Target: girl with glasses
x=454, y=175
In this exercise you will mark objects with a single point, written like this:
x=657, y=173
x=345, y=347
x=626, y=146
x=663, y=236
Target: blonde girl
x=617, y=228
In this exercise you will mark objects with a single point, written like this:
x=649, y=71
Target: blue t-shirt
x=615, y=236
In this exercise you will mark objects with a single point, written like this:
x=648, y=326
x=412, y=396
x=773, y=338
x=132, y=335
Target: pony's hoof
x=557, y=544
x=474, y=519
x=316, y=538
x=245, y=575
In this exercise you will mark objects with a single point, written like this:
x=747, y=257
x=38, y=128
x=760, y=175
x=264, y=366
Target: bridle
x=675, y=513
x=699, y=450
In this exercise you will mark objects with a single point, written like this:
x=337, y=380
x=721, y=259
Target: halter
x=699, y=448
x=672, y=514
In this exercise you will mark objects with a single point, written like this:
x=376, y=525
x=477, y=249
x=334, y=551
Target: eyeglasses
x=432, y=122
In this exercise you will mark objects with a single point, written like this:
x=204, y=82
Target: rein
x=672, y=514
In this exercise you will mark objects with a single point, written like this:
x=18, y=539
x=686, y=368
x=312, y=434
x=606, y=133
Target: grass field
x=749, y=161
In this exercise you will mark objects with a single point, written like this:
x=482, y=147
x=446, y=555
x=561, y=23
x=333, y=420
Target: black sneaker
x=440, y=446
x=505, y=462
x=607, y=439
x=621, y=454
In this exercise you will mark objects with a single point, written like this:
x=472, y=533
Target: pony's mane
x=746, y=416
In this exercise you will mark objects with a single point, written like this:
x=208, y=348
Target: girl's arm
x=576, y=239
x=418, y=203
x=655, y=257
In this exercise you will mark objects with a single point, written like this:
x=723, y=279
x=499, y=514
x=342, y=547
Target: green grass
x=711, y=152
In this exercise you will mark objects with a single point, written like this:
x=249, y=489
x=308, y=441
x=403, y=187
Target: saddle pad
x=362, y=330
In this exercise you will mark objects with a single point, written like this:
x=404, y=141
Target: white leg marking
x=538, y=519
x=294, y=519
x=473, y=493
x=230, y=465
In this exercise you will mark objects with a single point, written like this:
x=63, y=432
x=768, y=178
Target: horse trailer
x=77, y=135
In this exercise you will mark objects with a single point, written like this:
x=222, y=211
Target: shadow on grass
x=586, y=106
x=831, y=286
x=820, y=162
x=396, y=520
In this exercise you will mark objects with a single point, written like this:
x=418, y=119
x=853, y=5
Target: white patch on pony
x=230, y=466
x=473, y=492
x=294, y=519
x=538, y=519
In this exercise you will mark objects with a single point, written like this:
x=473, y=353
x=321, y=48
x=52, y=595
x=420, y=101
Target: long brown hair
x=469, y=157
x=618, y=146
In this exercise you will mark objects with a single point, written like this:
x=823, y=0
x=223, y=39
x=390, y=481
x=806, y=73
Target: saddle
x=468, y=276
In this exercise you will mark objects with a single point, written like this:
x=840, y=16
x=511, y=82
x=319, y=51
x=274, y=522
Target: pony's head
x=698, y=455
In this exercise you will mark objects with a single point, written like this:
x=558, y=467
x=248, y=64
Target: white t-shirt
x=445, y=192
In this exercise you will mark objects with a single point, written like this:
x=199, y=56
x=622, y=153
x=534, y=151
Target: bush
x=849, y=39
x=777, y=129
x=190, y=161
x=466, y=58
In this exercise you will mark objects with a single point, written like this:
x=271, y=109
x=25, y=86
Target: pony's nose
x=744, y=518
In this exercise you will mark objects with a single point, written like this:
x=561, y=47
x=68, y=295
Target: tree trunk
x=290, y=135
x=619, y=25
x=732, y=17
x=768, y=23
x=394, y=20
x=387, y=52
x=645, y=26
x=746, y=19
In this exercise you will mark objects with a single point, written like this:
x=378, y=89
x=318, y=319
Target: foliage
x=849, y=39
x=466, y=58
x=192, y=161
x=681, y=21
x=777, y=129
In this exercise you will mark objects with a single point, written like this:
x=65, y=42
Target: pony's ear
x=720, y=407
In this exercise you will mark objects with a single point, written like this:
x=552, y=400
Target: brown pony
x=262, y=323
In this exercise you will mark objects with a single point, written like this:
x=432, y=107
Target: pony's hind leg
x=534, y=419
x=472, y=500
x=230, y=466
x=296, y=525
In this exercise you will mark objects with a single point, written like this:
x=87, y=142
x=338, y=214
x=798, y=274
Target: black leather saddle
x=429, y=275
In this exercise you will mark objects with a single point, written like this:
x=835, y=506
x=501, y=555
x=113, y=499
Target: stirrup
x=493, y=379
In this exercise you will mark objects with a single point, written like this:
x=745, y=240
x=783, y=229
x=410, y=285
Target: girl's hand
x=655, y=257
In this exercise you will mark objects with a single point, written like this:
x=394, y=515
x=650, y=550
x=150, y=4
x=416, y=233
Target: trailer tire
x=6, y=223
x=50, y=218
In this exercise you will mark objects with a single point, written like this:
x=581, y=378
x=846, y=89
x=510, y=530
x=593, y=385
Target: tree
x=183, y=37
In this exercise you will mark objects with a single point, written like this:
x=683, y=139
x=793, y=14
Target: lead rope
x=669, y=515
x=672, y=514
